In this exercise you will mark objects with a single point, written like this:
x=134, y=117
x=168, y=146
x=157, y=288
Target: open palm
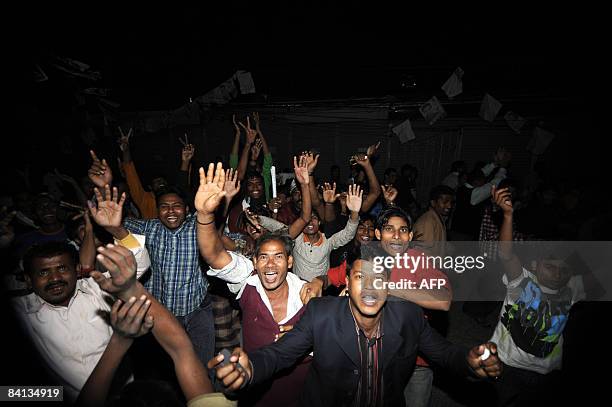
x=354, y=198
x=211, y=189
x=109, y=211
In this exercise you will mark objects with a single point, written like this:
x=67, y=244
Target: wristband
x=204, y=224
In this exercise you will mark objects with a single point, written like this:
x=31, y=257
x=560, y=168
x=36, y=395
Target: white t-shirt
x=529, y=334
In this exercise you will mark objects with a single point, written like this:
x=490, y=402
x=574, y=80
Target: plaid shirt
x=489, y=233
x=176, y=280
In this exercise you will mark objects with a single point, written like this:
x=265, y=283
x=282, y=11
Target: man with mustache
x=364, y=347
x=64, y=316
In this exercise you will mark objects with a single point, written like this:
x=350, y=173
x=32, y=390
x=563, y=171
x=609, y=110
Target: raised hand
x=188, y=152
x=121, y=264
x=257, y=122
x=232, y=184
x=301, y=170
x=128, y=318
x=311, y=160
x=389, y=193
x=360, y=159
x=211, y=190
x=99, y=173
x=502, y=198
x=250, y=133
x=329, y=193
x=256, y=149
x=108, y=212
x=354, y=198
x=373, y=149
x=124, y=140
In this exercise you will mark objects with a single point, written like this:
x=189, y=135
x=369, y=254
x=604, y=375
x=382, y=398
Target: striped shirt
x=176, y=279
x=369, y=389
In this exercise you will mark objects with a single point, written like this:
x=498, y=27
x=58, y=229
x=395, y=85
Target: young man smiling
x=364, y=348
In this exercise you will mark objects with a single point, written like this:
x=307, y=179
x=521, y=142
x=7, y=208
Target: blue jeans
x=200, y=327
x=418, y=390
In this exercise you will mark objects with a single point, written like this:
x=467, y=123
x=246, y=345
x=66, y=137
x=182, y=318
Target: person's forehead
x=272, y=246
x=170, y=199
x=254, y=180
x=52, y=261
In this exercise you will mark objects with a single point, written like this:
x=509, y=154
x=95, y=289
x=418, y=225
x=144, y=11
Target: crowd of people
x=281, y=273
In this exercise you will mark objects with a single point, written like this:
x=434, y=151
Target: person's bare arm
x=246, y=151
x=312, y=161
x=87, y=251
x=235, y=146
x=301, y=176
x=207, y=200
x=121, y=264
x=512, y=264
x=374, y=193
x=128, y=322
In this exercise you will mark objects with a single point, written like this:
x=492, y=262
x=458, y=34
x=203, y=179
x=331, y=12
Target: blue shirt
x=176, y=278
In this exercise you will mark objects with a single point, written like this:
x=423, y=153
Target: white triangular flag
x=540, y=140
x=489, y=107
x=404, y=131
x=432, y=110
x=515, y=122
x=453, y=85
x=246, y=82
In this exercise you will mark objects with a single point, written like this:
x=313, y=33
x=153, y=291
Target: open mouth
x=396, y=247
x=364, y=238
x=270, y=276
x=369, y=300
x=172, y=219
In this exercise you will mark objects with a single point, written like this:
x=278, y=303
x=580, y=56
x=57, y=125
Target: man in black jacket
x=365, y=347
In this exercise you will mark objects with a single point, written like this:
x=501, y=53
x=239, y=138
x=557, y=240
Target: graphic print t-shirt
x=529, y=334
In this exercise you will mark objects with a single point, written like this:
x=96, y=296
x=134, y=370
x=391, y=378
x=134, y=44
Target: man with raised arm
x=272, y=300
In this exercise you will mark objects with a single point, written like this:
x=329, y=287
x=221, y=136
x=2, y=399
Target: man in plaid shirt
x=176, y=278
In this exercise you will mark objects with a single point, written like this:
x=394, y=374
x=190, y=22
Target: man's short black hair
x=48, y=250
x=277, y=237
x=384, y=216
x=439, y=190
x=253, y=174
x=369, y=253
x=167, y=190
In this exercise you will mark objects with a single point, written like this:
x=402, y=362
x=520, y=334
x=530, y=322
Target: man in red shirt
x=422, y=285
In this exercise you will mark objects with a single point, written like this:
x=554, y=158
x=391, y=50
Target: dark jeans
x=519, y=387
x=200, y=326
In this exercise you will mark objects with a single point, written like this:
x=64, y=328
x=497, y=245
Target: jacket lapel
x=391, y=340
x=347, y=338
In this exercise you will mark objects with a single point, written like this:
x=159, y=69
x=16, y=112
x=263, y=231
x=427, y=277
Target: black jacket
x=327, y=327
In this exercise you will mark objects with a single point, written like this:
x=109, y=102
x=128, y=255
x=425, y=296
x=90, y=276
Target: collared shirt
x=238, y=273
x=69, y=339
x=176, y=278
x=370, y=389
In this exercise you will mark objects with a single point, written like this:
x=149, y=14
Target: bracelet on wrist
x=206, y=223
